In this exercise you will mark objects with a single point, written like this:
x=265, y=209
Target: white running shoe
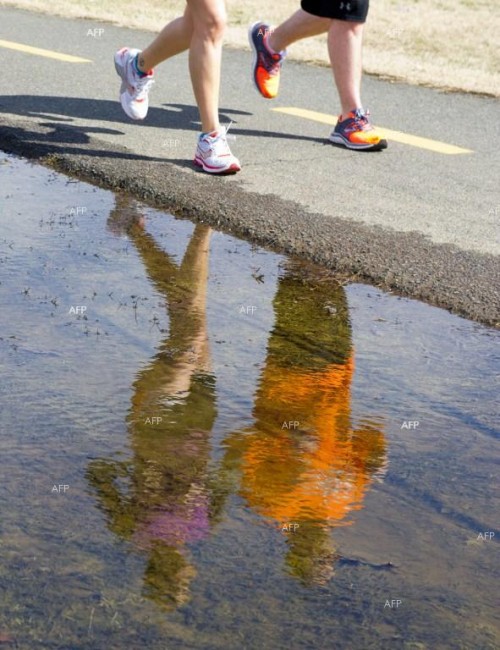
x=134, y=89
x=213, y=154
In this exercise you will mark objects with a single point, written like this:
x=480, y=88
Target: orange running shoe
x=266, y=64
x=356, y=131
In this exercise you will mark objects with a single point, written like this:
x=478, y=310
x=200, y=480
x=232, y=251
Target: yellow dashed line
x=40, y=52
x=395, y=136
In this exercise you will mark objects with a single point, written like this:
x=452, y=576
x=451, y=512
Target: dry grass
x=442, y=43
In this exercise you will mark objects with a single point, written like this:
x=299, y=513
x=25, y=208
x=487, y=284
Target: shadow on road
x=58, y=113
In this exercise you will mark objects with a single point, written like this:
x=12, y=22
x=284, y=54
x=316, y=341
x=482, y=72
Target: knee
x=346, y=27
x=212, y=25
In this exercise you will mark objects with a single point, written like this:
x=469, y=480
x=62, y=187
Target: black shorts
x=352, y=10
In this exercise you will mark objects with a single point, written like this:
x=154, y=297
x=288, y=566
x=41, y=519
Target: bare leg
x=205, y=53
x=300, y=25
x=345, y=41
x=173, y=39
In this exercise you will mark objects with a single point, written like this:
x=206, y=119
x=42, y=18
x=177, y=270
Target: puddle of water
x=206, y=445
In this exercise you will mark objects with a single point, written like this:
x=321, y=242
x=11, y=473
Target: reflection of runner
x=200, y=30
x=161, y=498
x=344, y=22
x=312, y=475
x=302, y=462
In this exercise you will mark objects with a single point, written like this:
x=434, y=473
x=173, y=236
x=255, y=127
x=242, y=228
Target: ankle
x=346, y=112
x=212, y=132
x=139, y=65
x=269, y=42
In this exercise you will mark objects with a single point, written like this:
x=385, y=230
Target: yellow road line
x=396, y=136
x=39, y=52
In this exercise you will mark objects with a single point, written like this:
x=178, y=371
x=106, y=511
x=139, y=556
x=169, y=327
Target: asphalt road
x=415, y=220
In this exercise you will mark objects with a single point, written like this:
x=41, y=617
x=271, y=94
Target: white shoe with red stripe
x=134, y=89
x=213, y=154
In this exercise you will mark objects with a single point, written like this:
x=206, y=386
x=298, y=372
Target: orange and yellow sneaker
x=266, y=63
x=355, y=131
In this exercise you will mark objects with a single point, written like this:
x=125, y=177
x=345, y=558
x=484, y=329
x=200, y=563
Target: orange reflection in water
x=303, y=465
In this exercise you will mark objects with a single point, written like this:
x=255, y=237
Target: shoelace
x=219, y=144
x=143, y=85
x=271, y=62
x=361, y=119
x=226, y=131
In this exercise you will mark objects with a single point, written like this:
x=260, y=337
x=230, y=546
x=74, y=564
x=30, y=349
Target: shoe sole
x=232, y=169
x=339, y=139
x=255, y=58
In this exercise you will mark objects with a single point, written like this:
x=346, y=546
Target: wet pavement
x=209, y=445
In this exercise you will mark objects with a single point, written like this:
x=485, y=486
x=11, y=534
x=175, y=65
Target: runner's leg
x=345, y=42
x=173, y=39
x=205, y=54
x=300, y=25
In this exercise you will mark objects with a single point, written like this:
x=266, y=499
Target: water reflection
x=68, y=393
x=302, y=465
x=159, y=499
